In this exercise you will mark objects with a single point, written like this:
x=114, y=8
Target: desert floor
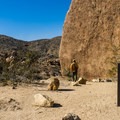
x=93, y=101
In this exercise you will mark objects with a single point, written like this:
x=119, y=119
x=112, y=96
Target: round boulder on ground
x=54, y=84
x=43, y=100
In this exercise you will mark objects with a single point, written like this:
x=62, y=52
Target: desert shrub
x=113, y=71
x=67, y=72
x=114, y=60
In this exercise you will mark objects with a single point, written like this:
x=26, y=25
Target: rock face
x=91, y=35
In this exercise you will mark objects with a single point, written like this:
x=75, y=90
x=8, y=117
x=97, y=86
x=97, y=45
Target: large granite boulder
x=91, y=35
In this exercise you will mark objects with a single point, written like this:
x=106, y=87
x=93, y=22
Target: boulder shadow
x=56, y=105
x=65, y=89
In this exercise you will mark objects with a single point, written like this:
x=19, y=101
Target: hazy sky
x=32, y=19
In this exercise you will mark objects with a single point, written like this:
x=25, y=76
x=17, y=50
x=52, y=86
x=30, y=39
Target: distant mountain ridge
x=46, y=45
x=8, y=43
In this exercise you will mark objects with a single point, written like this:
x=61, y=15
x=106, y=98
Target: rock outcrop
x=91, y=35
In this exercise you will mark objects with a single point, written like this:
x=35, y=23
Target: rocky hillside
x=91, y=35
x=9, y=43
x=43, y=46
x=46, y=46
x=40, y=57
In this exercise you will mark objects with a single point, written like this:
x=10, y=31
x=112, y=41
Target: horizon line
x=30, y=40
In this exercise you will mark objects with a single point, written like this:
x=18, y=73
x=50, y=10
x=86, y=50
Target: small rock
x=108, y=80
x=82, y=80
x=96, y=80
x=74, y=83
x=43, y=100
x=71, y=116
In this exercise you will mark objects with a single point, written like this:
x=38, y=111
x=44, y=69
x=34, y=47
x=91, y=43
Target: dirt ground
x=93, y=101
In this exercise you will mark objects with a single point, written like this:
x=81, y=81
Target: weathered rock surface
x=82, y=80
x=71, y=116
x=79, y=81
x=91, y=35
x=54, y=84
x=43, y=100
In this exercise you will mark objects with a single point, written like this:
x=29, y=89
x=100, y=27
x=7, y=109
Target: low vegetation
x=35, y=60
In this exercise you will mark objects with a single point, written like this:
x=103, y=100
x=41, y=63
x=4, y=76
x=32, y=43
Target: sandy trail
x=93, y=101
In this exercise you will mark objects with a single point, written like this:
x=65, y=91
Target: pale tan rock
x=82, y=80
x=9, y=59
x=79, y=81
x=96, y=80
x=74, y=84
x=43, y=100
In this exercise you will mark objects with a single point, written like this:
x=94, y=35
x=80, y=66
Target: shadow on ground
x=56, y=105
x=65, y=89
